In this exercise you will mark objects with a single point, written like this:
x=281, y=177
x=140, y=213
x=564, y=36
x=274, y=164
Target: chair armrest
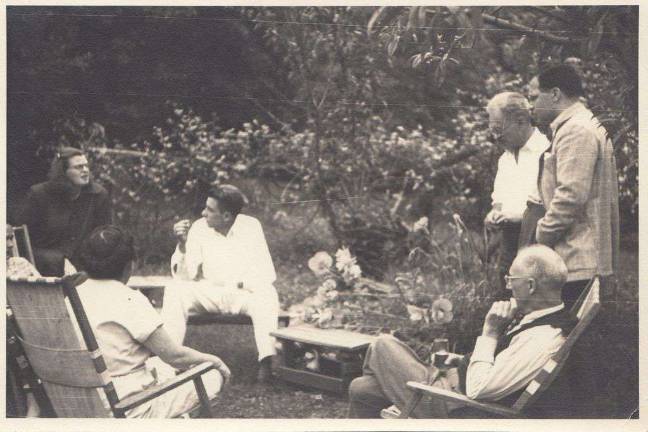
x=458, y=398
x=158, y=390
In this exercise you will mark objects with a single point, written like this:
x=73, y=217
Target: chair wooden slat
x=72, y=368
x=55, y=349
x=20, y=243
x=586, y=313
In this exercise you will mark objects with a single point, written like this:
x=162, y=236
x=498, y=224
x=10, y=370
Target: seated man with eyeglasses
x=506, y=357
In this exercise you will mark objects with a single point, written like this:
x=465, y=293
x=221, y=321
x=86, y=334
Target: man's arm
x=576, y=156
x=186, y=261
x=492, y=378
x=496, y=196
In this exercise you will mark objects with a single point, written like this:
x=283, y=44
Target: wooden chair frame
x=585, y=309
x=16, y=250
x=117, y=407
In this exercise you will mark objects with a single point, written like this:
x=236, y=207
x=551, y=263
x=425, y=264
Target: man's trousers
x=183, y=299
x=388, y=365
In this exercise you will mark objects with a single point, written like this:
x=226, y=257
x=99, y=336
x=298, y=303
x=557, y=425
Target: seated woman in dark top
x=63, y=210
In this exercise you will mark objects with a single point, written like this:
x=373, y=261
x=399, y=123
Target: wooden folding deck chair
x=71, y=366
x=587, y=307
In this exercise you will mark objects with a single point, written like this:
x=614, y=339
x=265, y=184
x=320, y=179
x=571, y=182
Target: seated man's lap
x=202, y=296
x=393, y=363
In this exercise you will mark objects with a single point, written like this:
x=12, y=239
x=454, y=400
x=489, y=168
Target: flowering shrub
x=442, y=290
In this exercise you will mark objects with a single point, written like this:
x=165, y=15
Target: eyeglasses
x=509, y=279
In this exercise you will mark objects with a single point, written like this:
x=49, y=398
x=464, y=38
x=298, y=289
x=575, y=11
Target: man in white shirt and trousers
x=509, y=120
x=222, y=265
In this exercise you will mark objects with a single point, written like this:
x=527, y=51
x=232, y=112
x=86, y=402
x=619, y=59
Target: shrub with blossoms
x=443, y=290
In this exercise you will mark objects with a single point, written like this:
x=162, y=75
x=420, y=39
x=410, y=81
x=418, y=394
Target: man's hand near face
x=498, y=318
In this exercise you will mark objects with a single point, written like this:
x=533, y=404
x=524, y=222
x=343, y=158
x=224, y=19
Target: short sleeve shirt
x=122, y=319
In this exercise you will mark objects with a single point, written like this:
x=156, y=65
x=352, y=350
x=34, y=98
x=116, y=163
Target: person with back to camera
x=130, y=332
x=60, y=212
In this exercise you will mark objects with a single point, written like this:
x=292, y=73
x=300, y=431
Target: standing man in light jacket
x=578, y=182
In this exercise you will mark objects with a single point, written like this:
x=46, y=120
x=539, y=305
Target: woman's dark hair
x=61, y=162
x=229, y=198
x=563, y=77
x=106, y=252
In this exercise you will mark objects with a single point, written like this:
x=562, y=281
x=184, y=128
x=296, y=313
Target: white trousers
x=183, y=299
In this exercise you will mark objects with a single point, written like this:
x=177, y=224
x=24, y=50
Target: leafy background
x=344, y=125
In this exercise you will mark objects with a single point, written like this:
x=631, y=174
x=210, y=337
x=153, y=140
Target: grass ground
x=245, y=399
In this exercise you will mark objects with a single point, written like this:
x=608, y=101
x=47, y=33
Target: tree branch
x=549, y=14
x=506, y=24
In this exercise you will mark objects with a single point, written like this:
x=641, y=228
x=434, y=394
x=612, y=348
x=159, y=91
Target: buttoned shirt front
x=240, y=256
x=516, y=180
x=491, y=377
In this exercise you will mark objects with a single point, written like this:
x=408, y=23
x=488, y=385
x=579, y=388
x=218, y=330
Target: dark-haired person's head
x=107, y=253
x=564, y=77
x=223, y=204
x=555, y=89
x=70, y=165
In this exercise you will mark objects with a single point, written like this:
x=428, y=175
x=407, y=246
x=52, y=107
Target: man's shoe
x=264, y=375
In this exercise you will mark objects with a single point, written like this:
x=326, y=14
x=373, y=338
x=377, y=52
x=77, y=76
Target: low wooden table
x=340, y=356
x=153, y=288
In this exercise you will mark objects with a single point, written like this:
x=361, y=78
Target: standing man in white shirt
x=506, y=357
x=509, y=120
x=222, y=265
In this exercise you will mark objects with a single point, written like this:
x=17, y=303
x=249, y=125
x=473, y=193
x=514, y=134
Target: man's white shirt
x=227, y=260
x=492, y=378
x=517, y=181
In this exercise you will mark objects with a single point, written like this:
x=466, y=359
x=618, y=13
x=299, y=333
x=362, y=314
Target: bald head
x=547, y=270
x=509, y=103
x=509, y=120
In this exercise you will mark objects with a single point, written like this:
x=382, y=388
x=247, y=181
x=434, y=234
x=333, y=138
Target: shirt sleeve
x=260, y=271
x=496, y=196
x=492, y=378
x=186, y=265
x=138, y=316
x=576, y=156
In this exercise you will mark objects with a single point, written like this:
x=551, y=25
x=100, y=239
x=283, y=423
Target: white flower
x=353, y=272
x=442, y=311
x=415, y=313
x=343, y=258
x=320, y=263
x=420, y=224
x=330, y=284
x=332, y=295
x=325, y=316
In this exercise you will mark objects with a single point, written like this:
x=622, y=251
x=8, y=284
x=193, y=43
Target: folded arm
x=492, y=378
